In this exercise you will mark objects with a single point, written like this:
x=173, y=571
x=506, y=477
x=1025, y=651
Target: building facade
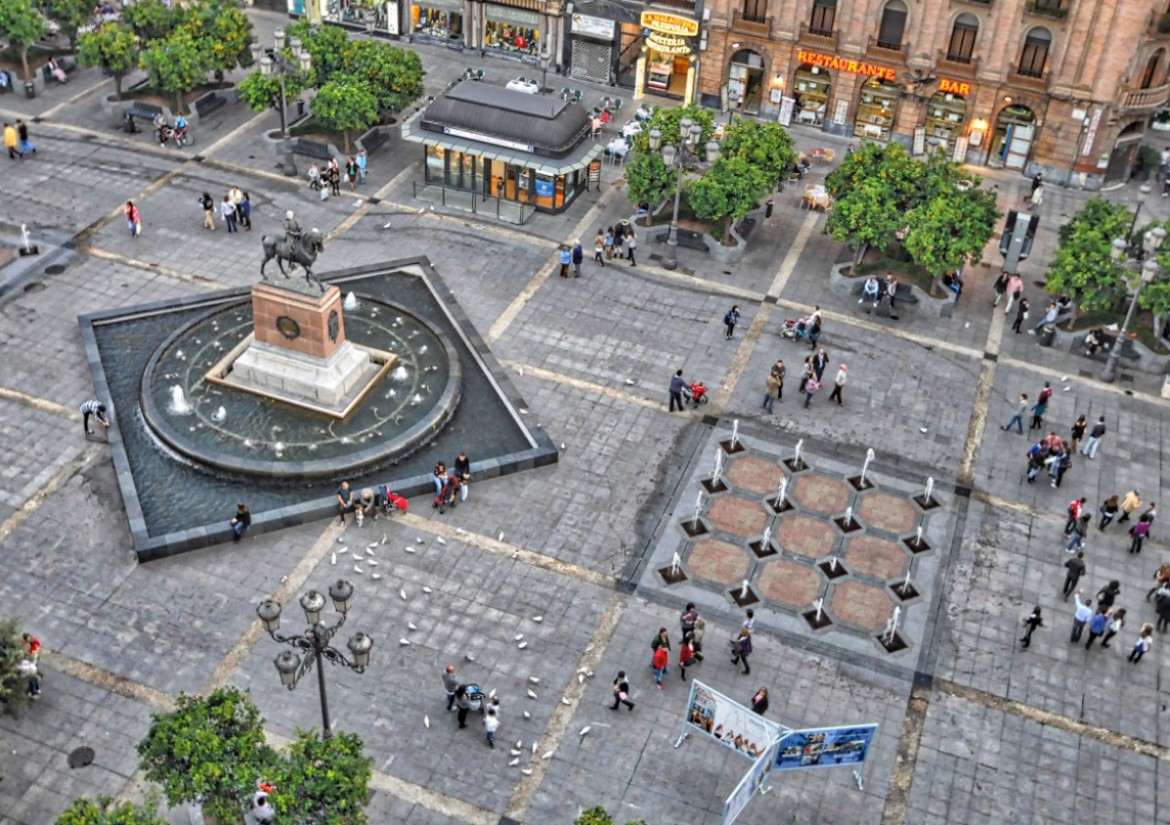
x=1064, y=86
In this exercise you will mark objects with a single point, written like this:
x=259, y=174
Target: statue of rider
x=292, y=230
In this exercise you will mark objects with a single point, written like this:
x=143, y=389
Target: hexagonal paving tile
x=880, y=558
x=864, y=605
x=737, y=516
x=885, y=512
x=820, y=494
x=789, y=583
x=755, y=475
x=718, y=561
x=806, y=536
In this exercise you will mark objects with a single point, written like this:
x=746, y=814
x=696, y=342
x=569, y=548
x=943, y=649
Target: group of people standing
x=620, y=241
x=17, y=142
x=328, y=180
x=235, y=209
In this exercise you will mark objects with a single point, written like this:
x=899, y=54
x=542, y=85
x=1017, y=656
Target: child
x=491, y=723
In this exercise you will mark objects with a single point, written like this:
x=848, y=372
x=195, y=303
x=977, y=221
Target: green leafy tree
x=346, y=105
x=152, y=19
x=107, y=811
x=224, y=31
x=866, y=217
x=648, y=181
x=13, y=683
x=1083, y=267
x=599, y=816
x=259, y=92
x=176, y=65
x=209, y=750
x=323, y=781
x=765, y=145
x=1155, y=297
x=727, y=191
x=889, y=164
x=328, y=46
x=112, y=48
x=667, y=120
x=21, y=25
x=947, y=230
x=69, y=15
x=395, y=75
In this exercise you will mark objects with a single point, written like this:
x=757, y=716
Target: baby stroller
x=794, y=329
x=449, y=495
x=389, y=501
x=696, y=393
x=475, y=697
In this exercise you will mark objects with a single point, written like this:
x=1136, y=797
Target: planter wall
x=851, y=285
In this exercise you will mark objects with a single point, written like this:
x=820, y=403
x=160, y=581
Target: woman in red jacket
x=661, y=663
x=686, y=653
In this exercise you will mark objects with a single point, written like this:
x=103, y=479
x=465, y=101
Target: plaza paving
x=972, y=729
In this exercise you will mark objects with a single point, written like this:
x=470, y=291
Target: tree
x=648, y=181
x=152, y=19
x=259, y=92
x=667, y=120
x=346, y=105
x=899, y=174
x=13, y=683
x=866, y=217
x=727, y=191
x=113, y=48
x=1083, y=267
x=225, y=33
x=950, y=228
x=21, y=25
x=209, y=750
x=765, y=145
x=107, y=811
x=69, y=15
x=322, y=781
x=176, y=64
x=599, y=816
x=393, y=74
x=326, y=44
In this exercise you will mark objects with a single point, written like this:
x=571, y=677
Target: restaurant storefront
x=877, y=108
x=946, y=115
x=667, y=63
x=498, y=143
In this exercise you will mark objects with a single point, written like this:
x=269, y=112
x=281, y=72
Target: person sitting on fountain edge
x=345, y=500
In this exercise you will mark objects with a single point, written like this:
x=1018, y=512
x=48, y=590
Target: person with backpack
x=730, y=320
x=1138, y=533
x=1074, y=513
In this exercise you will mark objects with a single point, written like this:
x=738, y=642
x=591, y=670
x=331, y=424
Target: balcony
x=976, y=2
x=816, y=38
x=753, y=26
x=682, y=5
x=1037, y=82
x=1143, y=101
x=956, y=66
x=880, y=50
x=1045, y=8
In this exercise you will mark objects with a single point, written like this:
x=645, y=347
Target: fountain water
x=351, y=302
x=179, y=404
x=928, y=495
x=832, y=564
x=796, y=463
x=906, y=582
x=849, y=516
x=743, y=592
x=734, y=434
x=26, y=246
x=219, y=415
x=865, y=466
x=892, y=626
x=781, y=492
x=819, y=604
x=767, y=537
x=918, y=536
x=717, y=473
x=698, y=511
x=675, y=564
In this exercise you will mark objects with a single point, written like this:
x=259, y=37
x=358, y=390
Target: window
x=1151, y=70
x=963, y=38
x=1047, y=5
x=893, y=25
x=1035, y=53
x=755, y=10
x=824, y=15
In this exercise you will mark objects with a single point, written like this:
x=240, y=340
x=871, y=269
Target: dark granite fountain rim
x=541, y=453
x=404, y=444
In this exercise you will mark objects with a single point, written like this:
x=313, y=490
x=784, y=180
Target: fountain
x=715, y=483
x=219, y=415
x=179, y=404
x=817, y=618
x=860, y=482
x=846, y=522
x=889, y=638
x=351, y=302
x=927, y=500
x=780, y=504
x=732, y=445
x=917, y=544
x=674, y=573
x=693, y=526
x=743, y=596
x=905, y=590
x=763, y=548
x=796, y=463
x=26, y=244
x=832, y=569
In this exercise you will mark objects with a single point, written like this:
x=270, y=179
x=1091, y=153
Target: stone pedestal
x=289, y=318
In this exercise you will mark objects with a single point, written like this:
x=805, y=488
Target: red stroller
x=449, y=495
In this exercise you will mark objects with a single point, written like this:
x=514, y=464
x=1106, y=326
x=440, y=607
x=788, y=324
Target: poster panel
x=750, y=785
x=825, y=747
x=729, y=723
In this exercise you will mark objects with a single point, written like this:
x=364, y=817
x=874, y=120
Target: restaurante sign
x=830, y=62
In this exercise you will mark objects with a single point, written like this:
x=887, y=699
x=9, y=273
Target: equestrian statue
x=294, y=246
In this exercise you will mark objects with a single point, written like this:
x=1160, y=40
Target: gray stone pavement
x=998, y=726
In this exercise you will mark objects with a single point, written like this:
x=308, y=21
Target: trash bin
x=1047, y=335
x=300, y=108
x=768, y=208
x=128, y=125
x=30, y=89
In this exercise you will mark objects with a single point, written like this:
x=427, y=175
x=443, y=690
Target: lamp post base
x=290, y=163
x=670, y=263
x=1109, y=374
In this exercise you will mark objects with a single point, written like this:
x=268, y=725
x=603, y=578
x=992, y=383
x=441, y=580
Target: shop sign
x=1091, y=135
x=482, y=138
x=954, y=87
x=441, y=5
x=668, y=43
x=787, y=106
x=593, y=26
x=507, y=14
x=852, y=66
x=670, y=24
x=392, y=17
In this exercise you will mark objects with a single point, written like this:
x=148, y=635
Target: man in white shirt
x=1081, y=617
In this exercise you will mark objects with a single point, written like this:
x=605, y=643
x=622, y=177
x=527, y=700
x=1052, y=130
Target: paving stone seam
x=365, y=206
x=39, y=404
x=150, y=266
x=86, y=457
x=788, y=265
x=78, y=97
x=906, y=760
x=591, y=387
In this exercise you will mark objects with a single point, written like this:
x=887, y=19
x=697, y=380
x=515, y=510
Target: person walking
x=1037, y=182
x=491, y=723
x=814, y=328
x=806, y=372
x=1001, y=284
x=1093, y=442
x=245, y=211
x=1138, y=533
x=334, y=177
x=1062, y=460
x=631, y=245
x=686, y=653
x=749, y=620
x=660, y=640
x=1015, y=292
x=241, y=521
x=1150, y=514
x=599, y=248
x=11, y=142
x=1162, y=607
x=463, y=704
x=1021, y=314
x=1098, y=625
x=26, y=145
x=820, y=363
x=450, y=685
x=677, y=385
x=133, y=219
x=578, y=257
x=771, y=389
x=810, y=388
x=1116, y=622
x=208, y=204
x=760, y=701
x=351, y=173
x=698, y=634
x=1039, y=408
x=1132, y=501
x=1108, y=594
x=1077, y=432
x=779, y=371
x=839, y=384
x=1161, y=579
x=608, y=243
x=1076, y=569
x=566, y=258
x=1083, y=613
x=228, y=210
x=1032, y=621
x=741, y=649
x=1037, y=198
x=1077, y=536
x=1018, y=418
x=1144, y=641
x=362, y=163
x=1075, y=509
x=621, y=692
x=730, y=320
x=661, y=662
x=687, y=618
x=98, y=410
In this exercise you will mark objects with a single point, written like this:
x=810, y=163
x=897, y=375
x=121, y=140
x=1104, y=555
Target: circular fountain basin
x=244, y=434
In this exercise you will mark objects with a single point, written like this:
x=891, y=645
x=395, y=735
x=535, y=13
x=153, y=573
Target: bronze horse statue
x=302, y=251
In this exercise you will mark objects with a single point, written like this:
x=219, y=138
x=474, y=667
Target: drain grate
x=35, y=286
x=80, y=757
x=1125, y=378
x=654, y=256
x=54, y=269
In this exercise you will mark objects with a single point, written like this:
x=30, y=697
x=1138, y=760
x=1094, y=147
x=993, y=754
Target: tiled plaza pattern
x=819, y=493
x=718, y=561
x=737, y=516
x=877, y=557
x=882, y=511
x=865, y=605
x=755, y=475
x=806, y=536
x=790, y=583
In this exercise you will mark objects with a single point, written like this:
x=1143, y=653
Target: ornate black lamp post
x=279, y=65
x=1147, y=269
x=689, y=134
x=316, y=640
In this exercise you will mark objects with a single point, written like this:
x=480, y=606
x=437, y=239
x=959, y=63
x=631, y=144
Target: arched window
x=1152, y=70
x=893, y=25
x=824, y=15
x=1035, y=52
x=963, y=35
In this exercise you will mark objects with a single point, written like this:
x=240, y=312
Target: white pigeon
x=630, y=381
x=419, y=540
x=402, y=593
x=582, y=670
x=538, y=619
x=526, y=771
x=565, y=700
x=534, y=679
x=519, y=743
x=469, y=657
x=368, y=546
x=460, y=530
x=580, y=678
x=357, y=569
x=531, y=695
x=520, y=370
x=534, y=748
x=427, y=721
x=1066, y=389
x=492, y=695
x=333, y=558
x=522, y=645
x=428, y=591
x=404, y=642
x=514, y=763
x=500, y=537
x=372, y=562
x=412, y=626
x=386, y=225
x=1064, y=378
x=356, y=557
x=440, y=540
x=376, y=576
x=383, y=538
x=370, y=549
x=584, y=730
x=515, y=752
x=589, y=673
x=523, y=411
x=519, y=637
x=548, y=754
x=527, y=715
x=340, y=539
x=562, y=445
x=343, y=550
x=410, y=549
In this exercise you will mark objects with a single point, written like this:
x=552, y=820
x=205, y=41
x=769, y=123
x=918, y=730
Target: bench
x=209, y=103
x=67, y=66
x=903, y=293
x=687, y=239
x=313, y=149
x=374, y=139
x=144, y=111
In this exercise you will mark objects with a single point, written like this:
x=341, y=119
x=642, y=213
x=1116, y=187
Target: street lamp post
x=545, y=59
x=280, y=66
x=1151, y=242
x=689, y=134
x=316, y=640
x=1143, y=193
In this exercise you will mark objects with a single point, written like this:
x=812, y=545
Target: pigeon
x=520, y=370
x=527, y=715
x=526, y=771
x=404, y=642
x=376, y=576
x=492, y=695
x=548, y=754
x=358, y=558
x=343, y=550
x=500, y=537
x=589, y=673
x=1063, y=378
x=340, y=539
x=562, y=445
x=419, y=541
x=584, y=730
x=357, y=569
x=630, y=382
x=538, y=619
x=428, y=591
x=515, y=752
x=1066, y=389
x=534, y=679
x=368, y=546
x=922, y=429
x=440, y=540
x=580, y=678
x=383, y=538
x=514, y=763
x=565, y=700
x=534, y=748
x=412, y=626
x=410, y=550
x=469, y=657
x=519, y=637
x=333, y=558
x=582, y=670
x=522, y=645
x=402, y=593
x=370, y=549
x=372, y=562
x=386, y=225
x=523, y=411
x=427, y=721
x=531, y=695
x=515, y=554
x=460, y=531
x=520, y=743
